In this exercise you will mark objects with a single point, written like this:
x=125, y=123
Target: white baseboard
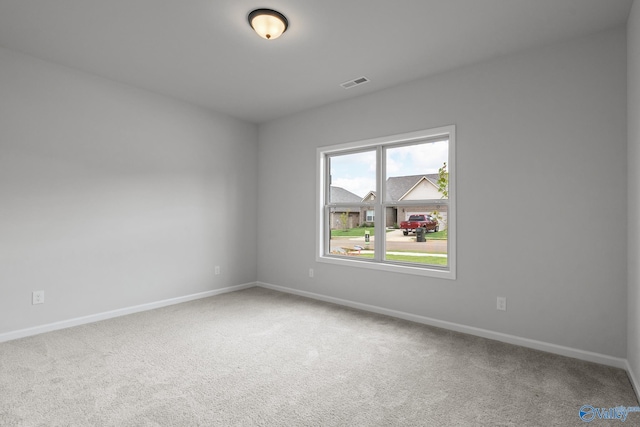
x=634, y=380
x=117, y=313
x=588, y=356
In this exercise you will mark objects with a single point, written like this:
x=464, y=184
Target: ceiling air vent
x=354, y=82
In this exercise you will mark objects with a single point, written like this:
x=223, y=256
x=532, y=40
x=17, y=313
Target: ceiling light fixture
x=268, y=23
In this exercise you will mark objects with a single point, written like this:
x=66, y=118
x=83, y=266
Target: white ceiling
x=204, y=52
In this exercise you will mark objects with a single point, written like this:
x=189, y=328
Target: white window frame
x=378, y=263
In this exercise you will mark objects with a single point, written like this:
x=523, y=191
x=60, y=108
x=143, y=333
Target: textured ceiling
x=204, y=52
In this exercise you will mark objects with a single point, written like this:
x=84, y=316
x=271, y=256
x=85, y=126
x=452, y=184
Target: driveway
x=397, y=241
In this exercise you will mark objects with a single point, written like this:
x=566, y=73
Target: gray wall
x=113, y=197
x=546, y=127
x=633, y=74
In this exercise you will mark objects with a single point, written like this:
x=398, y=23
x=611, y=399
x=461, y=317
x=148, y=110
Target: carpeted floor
x=259, y=357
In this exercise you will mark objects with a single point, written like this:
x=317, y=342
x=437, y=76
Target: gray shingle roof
x=397, y=186
x=340, y=195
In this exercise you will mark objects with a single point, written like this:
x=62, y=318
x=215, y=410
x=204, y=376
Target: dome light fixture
x=268, y=23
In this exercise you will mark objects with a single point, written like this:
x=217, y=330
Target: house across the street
x=399, y=188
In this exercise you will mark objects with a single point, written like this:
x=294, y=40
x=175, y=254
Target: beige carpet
x=259, y=357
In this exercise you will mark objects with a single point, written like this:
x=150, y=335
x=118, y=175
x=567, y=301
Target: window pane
x=350, y=236
x=417, y=172
x=371, y=214
x=422, y=237
x=352, y=177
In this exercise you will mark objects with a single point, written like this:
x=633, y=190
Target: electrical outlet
x=217, y=270
x=311, y=272
x=37, y=297
x=502, y=304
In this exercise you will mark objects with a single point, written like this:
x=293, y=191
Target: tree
x=344, y=220
x=443, y=188
x=443, y=181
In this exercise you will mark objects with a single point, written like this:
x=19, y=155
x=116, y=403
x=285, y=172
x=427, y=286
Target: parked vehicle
x=425, y=221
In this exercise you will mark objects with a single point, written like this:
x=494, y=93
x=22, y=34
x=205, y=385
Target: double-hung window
x=389, y=203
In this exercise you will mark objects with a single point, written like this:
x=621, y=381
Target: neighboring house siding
x=353, y=220
x=392, y=217
x=370, y=197
x=340, y=195
x=423, y=190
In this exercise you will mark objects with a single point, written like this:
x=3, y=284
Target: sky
x=357, y=172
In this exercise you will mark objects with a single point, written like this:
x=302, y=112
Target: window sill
x=390, y=267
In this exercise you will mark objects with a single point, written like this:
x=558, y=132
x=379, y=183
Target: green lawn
x=414, y=251
x=438, y=235
x=353, y=232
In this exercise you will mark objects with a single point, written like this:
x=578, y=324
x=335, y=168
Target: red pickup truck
x=415, y=221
